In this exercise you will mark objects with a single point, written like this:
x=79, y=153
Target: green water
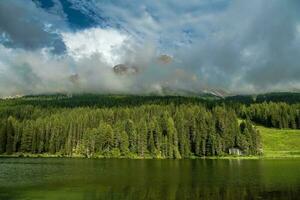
x=59, y=178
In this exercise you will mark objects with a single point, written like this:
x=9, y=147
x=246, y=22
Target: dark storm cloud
x=254, y=46
x=277, y=34
x=29, y=27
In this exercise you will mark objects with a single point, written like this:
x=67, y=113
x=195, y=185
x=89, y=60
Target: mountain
x=122, y=69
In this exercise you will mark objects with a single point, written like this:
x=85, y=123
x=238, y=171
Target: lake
x=61, y=178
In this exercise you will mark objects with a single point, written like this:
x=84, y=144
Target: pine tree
x=151, y=145
x=10, y=132
x=183, y=138
x=26, y=141
x=210, y=143
x=41, y=138
x=124, y=143
x=142, y=137
x=89, y=142
x=132, y=136
x=172, y=151
x=106, y=137
x=200, y=136
x=157, y=136
x=34, y=142
x=69, y=140
x=3, y=138
x=17, y=137
x=52, y=140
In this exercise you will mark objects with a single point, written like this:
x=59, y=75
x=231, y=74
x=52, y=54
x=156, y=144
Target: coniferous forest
x=137, y=126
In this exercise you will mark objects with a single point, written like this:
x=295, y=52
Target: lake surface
x=60, y=178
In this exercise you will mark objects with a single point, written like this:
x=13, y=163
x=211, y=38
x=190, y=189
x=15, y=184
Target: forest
x=124, y=126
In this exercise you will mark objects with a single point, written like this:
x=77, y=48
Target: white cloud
x=107, y=43
x=232, y=45
x=298, y=30
x=36, y=72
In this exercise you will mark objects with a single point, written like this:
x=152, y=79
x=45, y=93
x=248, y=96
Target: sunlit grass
x=280, y=142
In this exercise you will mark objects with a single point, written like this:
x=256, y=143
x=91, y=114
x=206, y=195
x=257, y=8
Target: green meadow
x=280, y=142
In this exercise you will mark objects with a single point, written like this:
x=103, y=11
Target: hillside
x=280, y=142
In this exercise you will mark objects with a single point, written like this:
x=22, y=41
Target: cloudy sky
x=235, y=46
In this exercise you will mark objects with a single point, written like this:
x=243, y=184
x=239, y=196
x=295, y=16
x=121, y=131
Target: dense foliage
x=160, y=127
x=286, y=97
x=276, y=115
x=276, y=110
x=141, y=126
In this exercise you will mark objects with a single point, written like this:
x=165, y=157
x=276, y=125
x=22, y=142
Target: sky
x=71, y=46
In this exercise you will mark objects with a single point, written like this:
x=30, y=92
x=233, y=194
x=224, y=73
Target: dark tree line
x=280, y=97
x=161, y=131
x=138, y=126
x=277, y=115
x=97, y=100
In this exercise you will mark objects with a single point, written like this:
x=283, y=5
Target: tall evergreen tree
x=132, y=136
x=124, y=143
x=142, y=137
x=3, y=138
x=10, y=132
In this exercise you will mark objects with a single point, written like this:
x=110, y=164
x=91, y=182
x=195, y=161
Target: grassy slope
x=280, y=142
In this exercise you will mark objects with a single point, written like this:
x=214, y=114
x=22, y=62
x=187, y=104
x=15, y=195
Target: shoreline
x=149, y=158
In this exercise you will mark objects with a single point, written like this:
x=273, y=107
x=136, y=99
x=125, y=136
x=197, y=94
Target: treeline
x=276, y=115
x=159, y=131
x=279, y=97
x=137, y=126
x=98, y=100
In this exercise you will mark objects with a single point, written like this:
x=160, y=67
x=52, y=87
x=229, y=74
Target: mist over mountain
x=217, y=47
